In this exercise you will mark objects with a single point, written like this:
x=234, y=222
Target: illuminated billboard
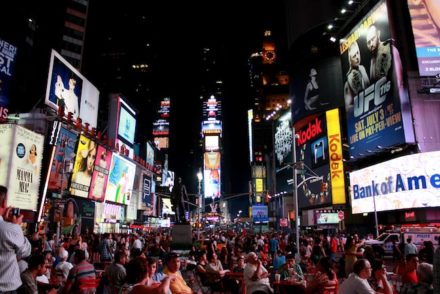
x=120, y=180
x=161, y=142
x=211, y=127
x=161, y=127
x=425, y=20
x=100, y=174
x=212, y=143
x=319, y=147
x=376, y=101
x=324, y=217
x=211, y=182
x=7, y=63
x=64, y=156
x=83, y=167
x=150, y=154
x=212, y=108
x=147, y=190
x=260, y=214
x=212, y=160
x=67, y=87
x=410, y=181
x=283, y=151
x=21, y=153
x=127, y=123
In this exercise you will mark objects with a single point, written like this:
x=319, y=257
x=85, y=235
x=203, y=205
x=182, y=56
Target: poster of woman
x=100, y=174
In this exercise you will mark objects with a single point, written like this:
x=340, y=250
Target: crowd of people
x=218, y=262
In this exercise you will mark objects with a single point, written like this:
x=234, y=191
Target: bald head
x=372, y=38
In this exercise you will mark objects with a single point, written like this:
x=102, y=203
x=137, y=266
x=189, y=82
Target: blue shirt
x=279, y=261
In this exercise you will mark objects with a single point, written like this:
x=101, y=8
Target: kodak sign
x=335, y=156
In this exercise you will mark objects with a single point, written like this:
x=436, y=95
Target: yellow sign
x=335, y=157
x=258, y=185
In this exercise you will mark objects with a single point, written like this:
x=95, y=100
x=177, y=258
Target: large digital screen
x=98, y=185
x=7, y=63
x=161, y=142
x=212, y=143
x=283, y=141
x=410, y=181
x=212, y=160
x=150, y=154
x=323, y=218
x=425, y=20
x=211, y=182
x=127, y=123
x=64, y=156
x=376, y=101
x=21, y=152
x=120, y=180
x=67, y=87
x=260, y=214
x=316, y=85
x=212, y=127
x=83, y=167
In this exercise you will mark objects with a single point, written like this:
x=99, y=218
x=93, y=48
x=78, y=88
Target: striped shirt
x=12, y=243
x=81, y=272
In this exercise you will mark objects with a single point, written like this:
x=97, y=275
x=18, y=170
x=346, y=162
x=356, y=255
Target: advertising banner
x=212, y=127
x=64, y=157
x=150, y=154
x=127, y=123
x=120, y=181
x=146, y=189
x=316, y=86
x=312, y=149
x=211, y=182
x=98, y=185
x=406, y=182
x=83, y=167
x=21, y=153
x=7, y=63
x=376, y=101
x=212, y=143
x=283, y=152
x=161, y=142
x=67, y=87
x=325, y=217
x=425, y=20
x=260, y=214
x=212, y=160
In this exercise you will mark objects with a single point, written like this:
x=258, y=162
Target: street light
x=200, y=178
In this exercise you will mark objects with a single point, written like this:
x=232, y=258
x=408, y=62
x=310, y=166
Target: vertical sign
x=7, y=61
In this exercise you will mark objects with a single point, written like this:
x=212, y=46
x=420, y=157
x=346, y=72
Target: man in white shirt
x=63, y=267
x=137, y=243
x=410, y=248
x=256, y=276
x=357, y=282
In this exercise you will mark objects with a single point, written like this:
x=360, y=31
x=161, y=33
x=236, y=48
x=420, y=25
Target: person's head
x=240, y=261
x=88, y=162
x=252, y=258
x=313, y=73
x=152, y=266
x=37, y=264
x=373, y=39
x=409, y=240
x=362, y=268
x=63, y=254
x=378, y=268
x=137, y=270
x=121, y=257
x=33, y=150
x=72, y=83
x=412, y=262
x=80, y=256
x=354, y=55
x=3, y=194
x=135, y=252
x=425, y=273
x=290, y=260
x=325, y=266
x=202, y=256
x=212, y=256
x=173, y=262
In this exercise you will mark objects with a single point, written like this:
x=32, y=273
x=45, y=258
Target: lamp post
x=295, y=192
x=199, y=177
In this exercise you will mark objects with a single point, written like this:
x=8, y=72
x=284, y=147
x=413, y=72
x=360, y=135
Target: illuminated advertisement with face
x=212, y=160
x=100, y=174
x=283, y=152
x=376, y=101
x=161, y=142
x=425, y=20
x=64, y=156
x=120, y=180
x=316, y=86
x=410, y=181
x=7, y=62
x=83, y=167
x=211, y=182
x=67, y=87
x=21, y=153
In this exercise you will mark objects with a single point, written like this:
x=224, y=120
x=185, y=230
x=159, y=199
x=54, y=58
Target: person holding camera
x=13, y=243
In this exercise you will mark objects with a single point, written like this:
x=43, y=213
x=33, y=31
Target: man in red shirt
x=410, y=276
x=333, y=247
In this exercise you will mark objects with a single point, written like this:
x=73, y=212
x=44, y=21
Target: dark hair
x=210, y=255
x=3, y=193
x=290, y=256
x=359, y=265
x=36, y=260
x=326, y=263
x=151, y=260
x=171, y=256
x=80, y=255
x=410, y=256
x=135, y=252
x=136, y=270
x=348, y=243
x=119, y=255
